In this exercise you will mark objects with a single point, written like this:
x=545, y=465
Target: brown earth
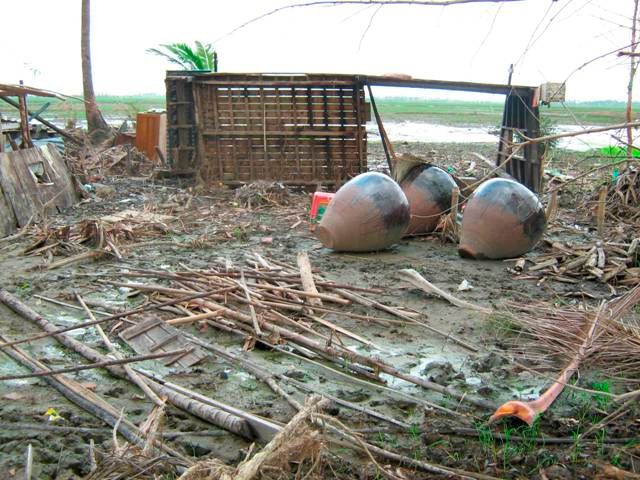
x=231, y=231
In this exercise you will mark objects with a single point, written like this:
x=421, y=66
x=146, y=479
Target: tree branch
x=335, y=3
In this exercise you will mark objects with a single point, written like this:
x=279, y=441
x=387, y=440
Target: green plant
x=575, y=447
x=414, y=431
x=616, y=460
x=239, y=233
x=485, y=437
x=548, y=127
x=502, y=324
x=202, y=57
x=600, y=437
x=602, y=401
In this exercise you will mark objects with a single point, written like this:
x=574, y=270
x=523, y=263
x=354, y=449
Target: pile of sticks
x=278, y=304
x=262, y=193
x=91, y=162
x=93, y=238
x=623, y=201
x=613, y=263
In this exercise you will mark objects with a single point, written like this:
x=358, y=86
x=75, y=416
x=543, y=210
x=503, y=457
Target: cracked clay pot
x=428, y=189
x=502, y=219
x=369, y=212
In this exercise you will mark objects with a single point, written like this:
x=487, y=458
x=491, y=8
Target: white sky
x=470, y=42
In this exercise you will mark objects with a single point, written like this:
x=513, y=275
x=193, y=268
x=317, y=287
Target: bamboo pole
x=306, y=276
x=91, y=366
x=21, y=309
x=601, y=210
x=419, y=281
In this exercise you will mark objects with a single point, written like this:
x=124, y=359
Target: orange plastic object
x=319, y=204
x=370, y=212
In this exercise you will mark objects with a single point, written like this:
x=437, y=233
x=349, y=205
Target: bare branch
x=628, y=54
x=424, y=3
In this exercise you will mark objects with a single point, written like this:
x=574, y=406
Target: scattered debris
x=262, y=193
x=91, y=163
x=613, y=263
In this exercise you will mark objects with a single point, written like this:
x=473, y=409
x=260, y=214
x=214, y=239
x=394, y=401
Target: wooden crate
x=296, y=129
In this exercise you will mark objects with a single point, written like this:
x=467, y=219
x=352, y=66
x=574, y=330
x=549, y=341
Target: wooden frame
x=297, y=129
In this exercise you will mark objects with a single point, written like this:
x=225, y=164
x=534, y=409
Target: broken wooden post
x=453, y=214
x=306, y=277
x=1, y=136
x=24, y=121
x=601, y=208
x=386, y=144
x=552, y=208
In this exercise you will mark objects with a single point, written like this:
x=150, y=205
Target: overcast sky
x=547, y=41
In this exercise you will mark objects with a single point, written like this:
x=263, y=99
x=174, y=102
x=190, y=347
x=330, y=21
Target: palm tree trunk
x=95, y=120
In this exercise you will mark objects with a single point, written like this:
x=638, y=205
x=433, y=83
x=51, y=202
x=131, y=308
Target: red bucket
x=319, y=204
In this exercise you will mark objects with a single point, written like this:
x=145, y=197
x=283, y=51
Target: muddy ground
x=279, y=232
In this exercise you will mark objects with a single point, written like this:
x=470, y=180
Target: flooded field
x=416, y=131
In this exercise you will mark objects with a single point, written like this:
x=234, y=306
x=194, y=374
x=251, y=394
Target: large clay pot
x=428, y=189
x=370, y=212
x=502, y=219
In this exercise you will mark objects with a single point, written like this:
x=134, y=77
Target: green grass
x=448, y=112
x=457, y=112
x=73, y=109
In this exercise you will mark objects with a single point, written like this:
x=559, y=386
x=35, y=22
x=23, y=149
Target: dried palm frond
x=140, y=462
x=547, y=335
x=262, y=193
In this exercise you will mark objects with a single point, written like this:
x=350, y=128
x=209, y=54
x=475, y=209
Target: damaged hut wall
x=34, y=182
x=296, y=129
x=520, y=121
x=181, y=130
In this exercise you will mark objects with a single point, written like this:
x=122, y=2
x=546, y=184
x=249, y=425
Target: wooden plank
x=199, y=125
x=43, y=192
x=57, y=171
x=8, y=222
x=19, y=189
x=154, y=335
x=316, y=101
x=132, y=332
x=328, y=132
x=268, y=83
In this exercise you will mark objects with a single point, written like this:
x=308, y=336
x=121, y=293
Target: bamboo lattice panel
x=294, y=129
x=181, y=124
